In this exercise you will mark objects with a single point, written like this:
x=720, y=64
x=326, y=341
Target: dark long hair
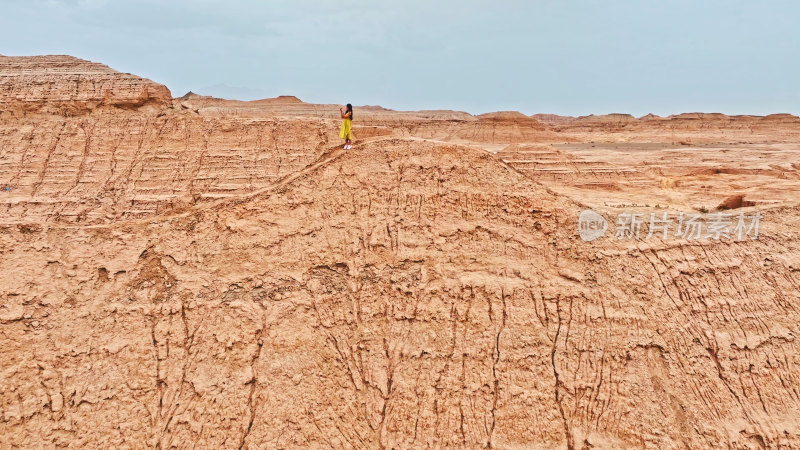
x=350, y=108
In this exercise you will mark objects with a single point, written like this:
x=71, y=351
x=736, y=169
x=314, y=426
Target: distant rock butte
x=503, y=115
x=553, y=119
x=191, y=95
x=782, y=118
x=279, y=99
x=650, y=117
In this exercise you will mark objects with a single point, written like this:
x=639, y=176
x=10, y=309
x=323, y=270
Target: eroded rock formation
x=409, y=293
x=67, y=85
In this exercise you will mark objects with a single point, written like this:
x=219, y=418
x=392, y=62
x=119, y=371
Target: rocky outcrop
x=67, y=85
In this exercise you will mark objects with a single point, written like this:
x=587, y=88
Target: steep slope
x=129, y=164
x=391, y=296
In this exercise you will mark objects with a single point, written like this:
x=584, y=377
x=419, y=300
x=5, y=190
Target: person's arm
x=344, y=115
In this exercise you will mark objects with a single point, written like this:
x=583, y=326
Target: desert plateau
x=195, y=272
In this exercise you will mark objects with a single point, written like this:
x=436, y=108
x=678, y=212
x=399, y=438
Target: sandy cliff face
x=67, y=85
x=133, y=164
x=83, y=143
x=405, y=294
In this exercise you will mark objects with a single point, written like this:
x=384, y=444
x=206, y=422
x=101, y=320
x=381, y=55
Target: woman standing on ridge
x=346, y=132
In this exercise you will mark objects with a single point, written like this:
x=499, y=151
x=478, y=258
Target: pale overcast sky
x=552, y=56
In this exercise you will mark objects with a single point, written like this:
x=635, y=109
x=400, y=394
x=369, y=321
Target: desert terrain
x=198, y=272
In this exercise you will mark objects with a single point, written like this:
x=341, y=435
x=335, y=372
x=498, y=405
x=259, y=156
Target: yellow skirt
x=347, y=130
